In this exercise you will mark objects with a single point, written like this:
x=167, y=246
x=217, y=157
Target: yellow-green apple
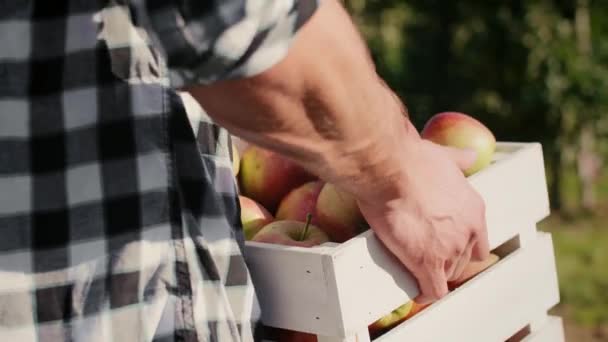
x=292, y=233
x=338, y=213
x=300, y=202
x=253, y=216
x=472, y=269
x=416, y=308
x=267, y=177
x=462, y=131
x=391, y=319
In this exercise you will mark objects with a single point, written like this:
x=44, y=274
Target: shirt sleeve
x=208, y=40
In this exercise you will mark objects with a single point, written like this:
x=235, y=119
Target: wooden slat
x=493, y=305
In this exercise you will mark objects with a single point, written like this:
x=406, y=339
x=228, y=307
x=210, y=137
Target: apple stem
x=305, y=231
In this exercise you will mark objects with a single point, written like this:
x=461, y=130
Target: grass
x=602, y=187
x=581, y=249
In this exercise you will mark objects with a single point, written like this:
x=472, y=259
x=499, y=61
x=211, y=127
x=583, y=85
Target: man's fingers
x=433, y=285
x=481, y=247
x=462, y=262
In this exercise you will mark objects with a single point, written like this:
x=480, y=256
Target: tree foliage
x=532, y=70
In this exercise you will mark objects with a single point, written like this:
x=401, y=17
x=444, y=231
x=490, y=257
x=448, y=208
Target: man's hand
x=439, y=225
x=325, y=107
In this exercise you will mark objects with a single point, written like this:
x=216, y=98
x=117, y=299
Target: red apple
x=300, y=202
x=338, y=213
x=285, y=335
x=267, y=177
x=462, y=131
x=416, y=308
x=472, y=269
x=253, y=216
x=292, y=233
x=391, y=319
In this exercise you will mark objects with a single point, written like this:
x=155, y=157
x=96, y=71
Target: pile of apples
x=281, y=203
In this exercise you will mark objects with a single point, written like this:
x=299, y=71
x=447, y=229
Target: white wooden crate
x=515, y=292
x=338, y=289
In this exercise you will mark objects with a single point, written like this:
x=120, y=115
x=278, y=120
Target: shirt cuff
x=233, y=42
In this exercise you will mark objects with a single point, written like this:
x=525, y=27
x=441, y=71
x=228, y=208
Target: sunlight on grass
x=581, y=248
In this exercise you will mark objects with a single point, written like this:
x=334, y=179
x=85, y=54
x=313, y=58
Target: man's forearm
x=323, y=105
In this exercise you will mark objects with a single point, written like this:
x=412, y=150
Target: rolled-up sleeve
x=208, y=40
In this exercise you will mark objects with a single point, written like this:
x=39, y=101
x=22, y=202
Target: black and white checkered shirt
x=115, y=224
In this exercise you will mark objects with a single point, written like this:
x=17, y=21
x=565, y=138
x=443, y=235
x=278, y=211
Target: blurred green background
x=531, y=70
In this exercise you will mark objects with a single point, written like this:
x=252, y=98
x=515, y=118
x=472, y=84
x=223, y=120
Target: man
x=117, y=226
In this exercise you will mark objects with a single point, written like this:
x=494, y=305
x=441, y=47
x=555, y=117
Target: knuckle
x=439, y=292
x=433, y=262
x=418, y=261
x=475, y=234
x=457, y=251
x=479, y=224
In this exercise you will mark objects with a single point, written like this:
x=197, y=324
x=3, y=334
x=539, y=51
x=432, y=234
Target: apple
x=416, y=308
x=338, y=213
x=253, y=216
x=266, y=176
x=462, y=131
x=292, y=233
x=472, y=269
x=299, y=202
x=285, y=335
x=391, y=319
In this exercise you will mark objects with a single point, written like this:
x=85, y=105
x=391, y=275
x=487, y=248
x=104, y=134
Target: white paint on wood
x=292, y=287
x=551, y=331
x=538, y=321
x=493, y=305
x=361, y=336
x=514, y=190
x=527, y=235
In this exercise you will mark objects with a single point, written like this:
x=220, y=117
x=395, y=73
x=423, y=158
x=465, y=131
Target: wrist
x=378, y=172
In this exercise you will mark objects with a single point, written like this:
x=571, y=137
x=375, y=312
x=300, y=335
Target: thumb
x=464, y=158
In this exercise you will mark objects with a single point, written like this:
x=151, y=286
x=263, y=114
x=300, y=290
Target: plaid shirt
x=115, y=224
